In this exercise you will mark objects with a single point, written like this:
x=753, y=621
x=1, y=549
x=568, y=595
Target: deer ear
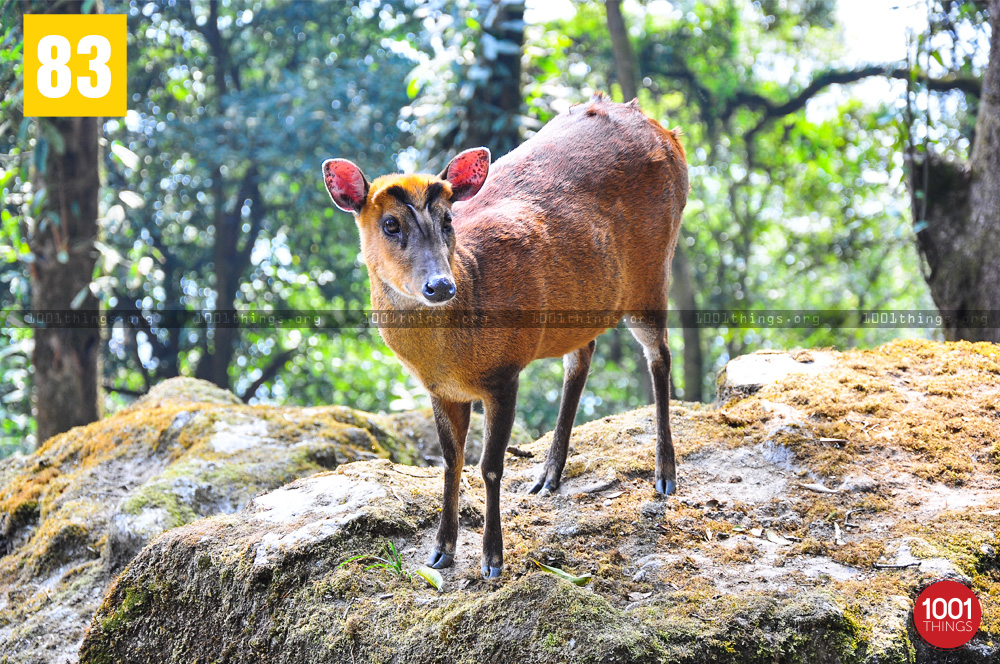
x=467, y=173
x=347, y=185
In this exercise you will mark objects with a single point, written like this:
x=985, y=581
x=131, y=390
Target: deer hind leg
x=452, y=420
x=576, y=366
x=654, y=343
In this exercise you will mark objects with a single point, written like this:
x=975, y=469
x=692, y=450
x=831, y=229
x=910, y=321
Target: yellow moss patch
x=744, y=413
x=934, y=400
x=863, y=553
x=64, y=458
x=743, y=552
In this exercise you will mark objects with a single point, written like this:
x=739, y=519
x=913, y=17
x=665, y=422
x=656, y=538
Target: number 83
x=63, y=76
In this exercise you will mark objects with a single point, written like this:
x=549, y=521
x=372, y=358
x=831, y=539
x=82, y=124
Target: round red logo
x=947, y=614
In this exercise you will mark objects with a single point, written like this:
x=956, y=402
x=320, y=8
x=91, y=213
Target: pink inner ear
x=467, y=173
x=346, y=184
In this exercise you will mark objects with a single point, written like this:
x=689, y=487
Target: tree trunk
x=960, y=237
x=65, y=359
x=683, y=282
x=495, y=108
x=230, y=258
x=682, y=286
x=622, y=49
x=214, y=365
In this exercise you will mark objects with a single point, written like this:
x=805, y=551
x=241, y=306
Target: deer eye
x=446, y=223
x=390, y=226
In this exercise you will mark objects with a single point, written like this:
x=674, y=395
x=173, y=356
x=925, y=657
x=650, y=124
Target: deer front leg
x=499, y=407
x=452, y=420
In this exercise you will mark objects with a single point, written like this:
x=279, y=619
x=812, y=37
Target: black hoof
x=491, y=572
x=666, y=487
x=543, y=486
x=440, y=560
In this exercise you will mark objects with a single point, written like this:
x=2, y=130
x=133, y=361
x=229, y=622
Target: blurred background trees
x=812, y=188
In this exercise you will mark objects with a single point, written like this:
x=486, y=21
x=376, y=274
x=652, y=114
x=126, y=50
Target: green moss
x=299, y=607
x=132, y=601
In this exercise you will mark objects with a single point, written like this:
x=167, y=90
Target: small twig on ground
x=903, y=566
x=396, y=496
x=518, y=452
x=423, y=477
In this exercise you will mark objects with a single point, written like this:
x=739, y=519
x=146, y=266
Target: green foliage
x=221, y=164
x=17, y=427
x=807, y=210
x=390, y=560
x=467, y=85
x=213, y=200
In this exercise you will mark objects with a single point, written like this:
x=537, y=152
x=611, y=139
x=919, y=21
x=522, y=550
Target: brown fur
x=583, y=216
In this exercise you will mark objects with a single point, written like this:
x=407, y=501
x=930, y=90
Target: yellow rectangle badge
x=74, y=65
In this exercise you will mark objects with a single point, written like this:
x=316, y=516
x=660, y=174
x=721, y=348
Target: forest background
x=821, y=182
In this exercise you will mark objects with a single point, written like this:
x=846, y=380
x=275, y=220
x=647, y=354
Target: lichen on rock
x=76, y=511
x=796, y=499
x=812, y=509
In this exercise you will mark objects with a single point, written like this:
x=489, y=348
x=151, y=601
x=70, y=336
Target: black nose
x=439, y=289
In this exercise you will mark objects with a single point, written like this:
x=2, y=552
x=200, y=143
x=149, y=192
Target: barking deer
x=582, y=217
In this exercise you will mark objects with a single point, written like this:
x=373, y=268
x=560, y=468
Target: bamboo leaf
x=431, y=576
x=776, y=538
x=562, y=574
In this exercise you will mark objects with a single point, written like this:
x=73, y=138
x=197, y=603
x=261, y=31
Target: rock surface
x=747, y=374
x=794, y=497
x=793, y=501
x=76, y=511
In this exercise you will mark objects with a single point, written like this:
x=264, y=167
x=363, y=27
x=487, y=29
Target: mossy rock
x=790, y=494
x=267, y=585
x=77, y=510
x=182, y=390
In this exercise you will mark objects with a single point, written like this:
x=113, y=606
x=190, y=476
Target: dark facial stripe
x=416, y=220
x=433, y=192
x=400, y=194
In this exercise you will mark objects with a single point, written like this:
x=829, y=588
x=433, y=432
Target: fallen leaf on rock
x=562, y=574
x=818, y=488
x=838, y=534
x=776, y=538
x=431, y=576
